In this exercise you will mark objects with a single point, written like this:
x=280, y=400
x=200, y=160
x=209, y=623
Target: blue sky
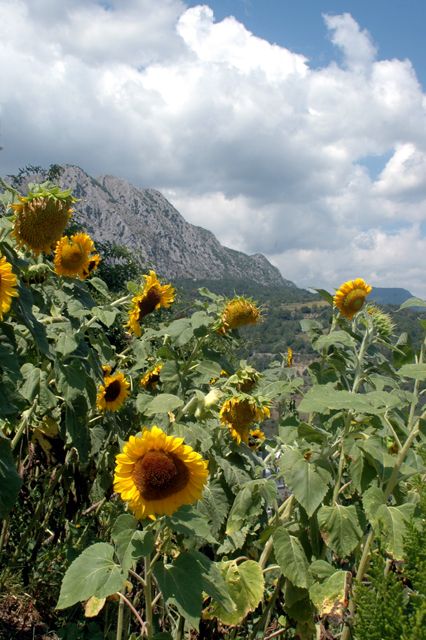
x=297, y=130
x=397, y=26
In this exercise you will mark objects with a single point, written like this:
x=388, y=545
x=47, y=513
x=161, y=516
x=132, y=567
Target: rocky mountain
x=112, y=209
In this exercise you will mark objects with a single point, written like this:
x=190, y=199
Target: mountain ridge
x=143, y=220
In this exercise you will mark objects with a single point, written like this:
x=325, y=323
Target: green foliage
x=283, y=522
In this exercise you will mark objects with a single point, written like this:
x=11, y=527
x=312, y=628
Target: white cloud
x=242, y=135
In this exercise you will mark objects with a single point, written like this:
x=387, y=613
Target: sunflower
x=8, y=282
x=239, y=312
x=256, y=438
x=73, y=256
x=40, y=219
x=239, y=413
x=350, y=297
x=93, y=264
x=156, y=474
x=154, y=295
x=289, y=357
x=113, y=392
x=152, y=377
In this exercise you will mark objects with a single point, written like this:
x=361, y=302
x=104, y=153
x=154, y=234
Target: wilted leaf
x=93, y=606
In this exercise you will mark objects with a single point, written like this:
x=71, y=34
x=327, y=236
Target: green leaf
x=247, y=506
x=325, y=295
x=372, y=499
x=321, y=569
x=162, y=403
x=334, y=338
x=309, y=482
x=93, y=573
x=393, y=521
x=187, y=521
x=181, y=331
x=331, y=596
x=76, y=426
x=181, y=584
x=413, y=302
x=323, y=398
x=339, y=528
x=106, y=315
x=100, y=286
x=214, y=506
x=132, y=545
x=66, y=343
x=10, y=481
x=246, y=584
x=31, y=384
x=416, y=371
x=291, y=557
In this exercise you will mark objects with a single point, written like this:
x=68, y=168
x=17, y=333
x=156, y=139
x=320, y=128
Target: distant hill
x=389, y=295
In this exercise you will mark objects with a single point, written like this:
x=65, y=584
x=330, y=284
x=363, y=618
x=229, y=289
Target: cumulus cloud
x=242, y=135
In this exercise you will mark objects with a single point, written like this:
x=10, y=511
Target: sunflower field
x=154, y=486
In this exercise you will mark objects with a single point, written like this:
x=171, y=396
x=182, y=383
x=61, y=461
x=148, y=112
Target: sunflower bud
x=382, y=322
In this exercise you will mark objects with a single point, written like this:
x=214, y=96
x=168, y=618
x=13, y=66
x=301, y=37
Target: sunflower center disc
x=112, y=391
x=158, y=475
x=355, y=299
x=149, y=302
x=71, y=257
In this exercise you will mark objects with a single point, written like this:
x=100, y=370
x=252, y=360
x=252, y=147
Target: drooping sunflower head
x=151, y=378
x=239, y=413
x=73, y=255
x=113, y=392
x=156, y=474
x=239, y=312
x=350, y=297
x=41, y=217
x=8, y=284
x=382, y=321
x=256, y=438
x=153, y=296
x=289, y=357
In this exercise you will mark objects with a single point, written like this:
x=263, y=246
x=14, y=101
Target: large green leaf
x=130, y=544
x=187, y=521
x=307, y=480
x=334, y=337
x=340, y=528
x=93, y=573
x=183, y=582
x=291, y=557
x=323, y=398
x=162, y=403
x=393, y=521
x=214, y=506
x=10, y=481
x=416, y=371
x=246, y=585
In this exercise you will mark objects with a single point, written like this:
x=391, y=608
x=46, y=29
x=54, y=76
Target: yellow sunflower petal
x=165, y=476
x=8, y=284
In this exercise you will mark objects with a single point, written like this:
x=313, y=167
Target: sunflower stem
x=120, y=619
x=148, y=597
x=180, y=628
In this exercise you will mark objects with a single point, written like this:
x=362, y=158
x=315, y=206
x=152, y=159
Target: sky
x=297, y=130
